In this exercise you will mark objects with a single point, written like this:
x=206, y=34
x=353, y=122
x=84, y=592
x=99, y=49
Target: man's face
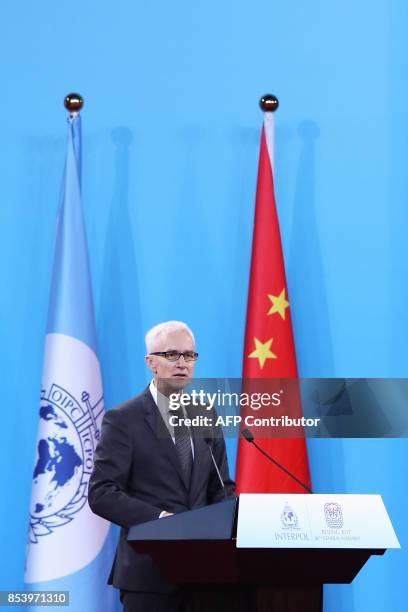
x=172, y=376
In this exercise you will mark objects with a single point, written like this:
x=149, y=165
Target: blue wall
x=171, y=134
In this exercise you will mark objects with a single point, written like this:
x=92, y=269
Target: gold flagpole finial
x=269, y=103
x=73, y=102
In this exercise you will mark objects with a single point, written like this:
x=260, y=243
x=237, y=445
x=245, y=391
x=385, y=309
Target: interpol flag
x=269, y=351
x=69, y=549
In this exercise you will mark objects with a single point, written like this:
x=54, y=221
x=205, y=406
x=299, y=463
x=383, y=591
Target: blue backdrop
x=171, y=130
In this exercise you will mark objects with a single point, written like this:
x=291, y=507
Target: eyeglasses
x=175, y=355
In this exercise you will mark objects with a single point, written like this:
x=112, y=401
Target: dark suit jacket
x=137, y=474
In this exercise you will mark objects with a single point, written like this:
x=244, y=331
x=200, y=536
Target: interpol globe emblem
x=289, y=518
x=68, y=435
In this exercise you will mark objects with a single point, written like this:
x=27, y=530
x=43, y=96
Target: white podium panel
x=314, y=521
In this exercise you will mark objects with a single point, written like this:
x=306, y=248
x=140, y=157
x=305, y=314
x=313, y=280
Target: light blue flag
x=70, y=548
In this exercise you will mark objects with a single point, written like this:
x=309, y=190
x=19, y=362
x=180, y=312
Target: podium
x=269, y=541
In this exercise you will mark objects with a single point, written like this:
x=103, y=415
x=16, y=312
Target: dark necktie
x=183, y=447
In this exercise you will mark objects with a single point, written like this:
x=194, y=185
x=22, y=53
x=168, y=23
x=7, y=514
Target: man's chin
x=178, y=383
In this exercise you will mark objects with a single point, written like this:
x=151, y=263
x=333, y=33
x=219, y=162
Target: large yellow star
x=262, y=351
x=279, y=304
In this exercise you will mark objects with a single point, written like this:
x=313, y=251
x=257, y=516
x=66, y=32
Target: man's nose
x=182, y=363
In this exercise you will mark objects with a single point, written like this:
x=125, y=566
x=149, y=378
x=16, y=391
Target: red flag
x=269, y=351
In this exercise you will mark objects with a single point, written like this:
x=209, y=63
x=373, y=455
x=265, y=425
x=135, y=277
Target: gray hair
x=165, y=328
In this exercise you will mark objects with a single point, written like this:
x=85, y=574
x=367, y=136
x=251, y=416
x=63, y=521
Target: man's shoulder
x=133, y=406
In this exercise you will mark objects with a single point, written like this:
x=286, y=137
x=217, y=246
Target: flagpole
x=74, y=102
x=269, y=104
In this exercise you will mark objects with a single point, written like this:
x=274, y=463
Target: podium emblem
x=333, y=515
x=289, y=518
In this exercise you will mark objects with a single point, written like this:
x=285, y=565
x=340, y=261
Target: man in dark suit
x=145, y=469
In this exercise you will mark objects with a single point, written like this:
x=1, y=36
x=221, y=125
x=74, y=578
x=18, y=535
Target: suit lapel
x=155, y=422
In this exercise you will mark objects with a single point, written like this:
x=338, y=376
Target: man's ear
x=150, y=362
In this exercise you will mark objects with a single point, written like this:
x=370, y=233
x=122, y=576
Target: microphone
x=208, y=441
x=249, y=437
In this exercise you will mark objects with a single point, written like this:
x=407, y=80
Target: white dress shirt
x=162, y=402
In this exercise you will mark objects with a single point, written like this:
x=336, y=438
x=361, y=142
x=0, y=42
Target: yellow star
x=262, y=351
x=279, y=304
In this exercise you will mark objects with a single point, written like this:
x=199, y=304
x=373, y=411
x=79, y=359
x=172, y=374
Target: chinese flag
x=269, y=351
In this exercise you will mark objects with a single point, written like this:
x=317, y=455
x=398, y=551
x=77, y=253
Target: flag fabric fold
x=69, y=547
x=269, y=350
